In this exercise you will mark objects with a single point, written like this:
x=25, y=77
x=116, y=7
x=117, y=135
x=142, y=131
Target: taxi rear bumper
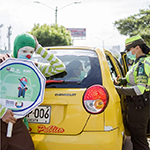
x=86, y=141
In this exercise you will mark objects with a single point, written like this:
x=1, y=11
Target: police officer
x=137, y=91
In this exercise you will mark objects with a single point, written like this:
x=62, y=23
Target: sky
x=97, y=16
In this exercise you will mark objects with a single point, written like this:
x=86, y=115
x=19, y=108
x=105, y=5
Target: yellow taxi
x=81, y=110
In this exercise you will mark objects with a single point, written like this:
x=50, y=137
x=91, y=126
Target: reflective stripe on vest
x=129, y=76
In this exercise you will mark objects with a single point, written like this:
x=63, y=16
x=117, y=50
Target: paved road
x=128, y=144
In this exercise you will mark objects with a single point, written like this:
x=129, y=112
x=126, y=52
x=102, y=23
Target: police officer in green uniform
x=137, y=91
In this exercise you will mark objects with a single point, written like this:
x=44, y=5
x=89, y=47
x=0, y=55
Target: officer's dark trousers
x=137, y=123
x=20, y=140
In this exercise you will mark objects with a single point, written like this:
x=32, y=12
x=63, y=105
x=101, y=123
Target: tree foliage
x=51, y=35
x=138, y=24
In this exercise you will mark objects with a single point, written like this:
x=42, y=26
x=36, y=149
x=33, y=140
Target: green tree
x=138, y=24
x=51, y=35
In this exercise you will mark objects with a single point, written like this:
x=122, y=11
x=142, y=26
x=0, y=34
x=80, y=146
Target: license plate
x=40, y=114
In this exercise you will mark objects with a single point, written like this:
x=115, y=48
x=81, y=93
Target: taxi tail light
x=95, y=99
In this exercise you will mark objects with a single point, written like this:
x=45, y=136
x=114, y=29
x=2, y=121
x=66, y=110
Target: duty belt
x=138, y=102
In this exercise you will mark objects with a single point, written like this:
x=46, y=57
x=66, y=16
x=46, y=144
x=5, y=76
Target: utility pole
x=8, y=36
x=56, y=15
x=56, y=9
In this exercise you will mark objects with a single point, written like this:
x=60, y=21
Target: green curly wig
x=22, y=40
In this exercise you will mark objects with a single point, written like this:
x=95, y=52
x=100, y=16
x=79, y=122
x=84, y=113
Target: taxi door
x=127, y=63
x=117, y=69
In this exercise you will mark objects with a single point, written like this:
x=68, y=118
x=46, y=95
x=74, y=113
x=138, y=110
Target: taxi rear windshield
x=82, y=67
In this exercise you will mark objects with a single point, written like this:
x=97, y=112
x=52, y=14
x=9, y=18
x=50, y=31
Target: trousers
x=21, y=92
x=137, y=124
x=20, y=140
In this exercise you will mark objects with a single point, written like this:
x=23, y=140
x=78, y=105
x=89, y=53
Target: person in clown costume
x=24, y=46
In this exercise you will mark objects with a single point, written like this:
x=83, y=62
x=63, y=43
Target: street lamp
x=56, y=9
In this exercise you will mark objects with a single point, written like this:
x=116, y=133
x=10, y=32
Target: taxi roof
x=70, y=47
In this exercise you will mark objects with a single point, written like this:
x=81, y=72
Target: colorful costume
x=20, y=136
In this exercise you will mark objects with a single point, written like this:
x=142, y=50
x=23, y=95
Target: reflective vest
x=139, y=75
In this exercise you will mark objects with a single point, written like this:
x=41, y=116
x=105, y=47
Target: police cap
x=134, y=41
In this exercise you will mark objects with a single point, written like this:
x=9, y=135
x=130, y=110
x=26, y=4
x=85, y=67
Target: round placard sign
x=21, y=86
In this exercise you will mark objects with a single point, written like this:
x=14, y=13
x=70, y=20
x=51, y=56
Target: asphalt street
x=128, y=144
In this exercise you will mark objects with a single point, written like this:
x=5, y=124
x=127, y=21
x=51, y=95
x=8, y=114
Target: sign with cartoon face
x=21, y=86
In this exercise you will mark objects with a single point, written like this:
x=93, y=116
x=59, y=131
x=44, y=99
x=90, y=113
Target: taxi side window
x=120, y=67
x=111, y=68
